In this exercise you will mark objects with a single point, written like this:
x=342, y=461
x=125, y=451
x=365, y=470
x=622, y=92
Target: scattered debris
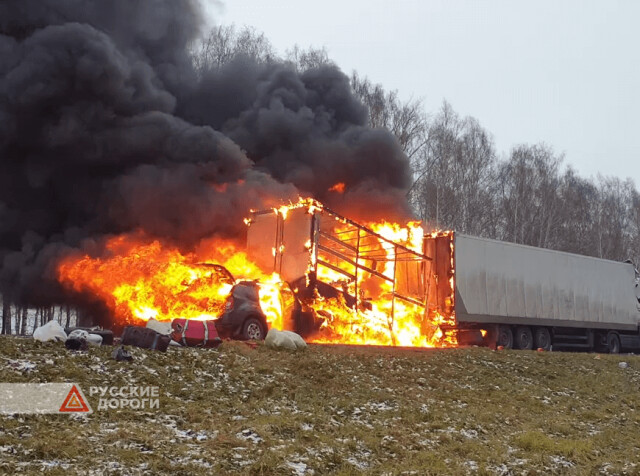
x=75, y=343
x=161, y=327
x=121, y=354
x=145, y=338
x=93, y=339
x=106, y=334
x=284, y=340
x=50, y=331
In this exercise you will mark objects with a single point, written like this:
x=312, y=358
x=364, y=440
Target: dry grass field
x=331, y=410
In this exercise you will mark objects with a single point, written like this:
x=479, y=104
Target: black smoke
x=105, y=128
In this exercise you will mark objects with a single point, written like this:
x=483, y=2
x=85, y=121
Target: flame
x=383, y=320
x=138, y=278
x=339, y=188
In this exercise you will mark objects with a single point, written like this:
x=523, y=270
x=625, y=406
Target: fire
x=339, y=188
x=384, y=321
x=372, y=302
x=139, y=279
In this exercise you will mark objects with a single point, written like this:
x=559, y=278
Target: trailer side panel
x=507, y=283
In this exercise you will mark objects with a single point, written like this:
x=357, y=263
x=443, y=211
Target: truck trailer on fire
x=451, y=287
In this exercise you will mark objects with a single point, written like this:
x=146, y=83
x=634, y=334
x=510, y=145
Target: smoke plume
x=106, y=127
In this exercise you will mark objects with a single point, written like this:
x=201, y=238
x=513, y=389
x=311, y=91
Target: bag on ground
x=50, y=331
x=144, y=338
x=93, y=339
x=193, y=333
x=284, y=340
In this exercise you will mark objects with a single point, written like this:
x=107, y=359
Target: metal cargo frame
x=350, y=251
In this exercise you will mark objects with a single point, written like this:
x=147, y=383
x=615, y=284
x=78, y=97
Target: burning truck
x=398, y=286
x=365, y=284
x=325, y=276
x=333, y=280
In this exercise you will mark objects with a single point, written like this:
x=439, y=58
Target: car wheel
x=253, y=329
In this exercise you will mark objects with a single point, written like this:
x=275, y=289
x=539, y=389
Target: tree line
x=527, y=195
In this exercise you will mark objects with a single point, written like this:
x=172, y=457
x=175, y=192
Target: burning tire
x=253, y=329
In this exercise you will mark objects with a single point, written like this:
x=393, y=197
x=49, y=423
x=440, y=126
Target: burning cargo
x=369, y=283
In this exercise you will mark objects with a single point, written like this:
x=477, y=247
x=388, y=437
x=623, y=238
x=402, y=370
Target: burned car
x=244, y=318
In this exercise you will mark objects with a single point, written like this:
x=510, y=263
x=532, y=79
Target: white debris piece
x=161, y=327
x=284, y=340
x=623, y=365
x=50, y=331
x=93, y=339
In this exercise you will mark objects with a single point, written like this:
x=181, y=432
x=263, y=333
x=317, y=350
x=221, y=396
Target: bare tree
x=579, y=198
x=612, y=225
x=224, y=43
x=634, y=227
x=23, y=322
x=455, y=172
x=529, y=202
x=406, y=120
x=310, y=58
x=6, y=316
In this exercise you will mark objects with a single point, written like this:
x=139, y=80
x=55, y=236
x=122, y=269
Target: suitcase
x=192, y=333
x=145, y=338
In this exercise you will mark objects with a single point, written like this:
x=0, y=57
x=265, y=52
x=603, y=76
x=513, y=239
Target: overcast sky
x=566, y=73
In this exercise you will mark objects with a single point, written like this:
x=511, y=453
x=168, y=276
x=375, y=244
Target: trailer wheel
x=542, y=339
x=524, y=338
x=613, y=343
x=505, y=337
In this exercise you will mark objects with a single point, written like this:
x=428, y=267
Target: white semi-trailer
x=527, y=297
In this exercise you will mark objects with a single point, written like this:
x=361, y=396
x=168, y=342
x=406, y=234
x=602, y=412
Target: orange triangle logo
x=74, y=402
